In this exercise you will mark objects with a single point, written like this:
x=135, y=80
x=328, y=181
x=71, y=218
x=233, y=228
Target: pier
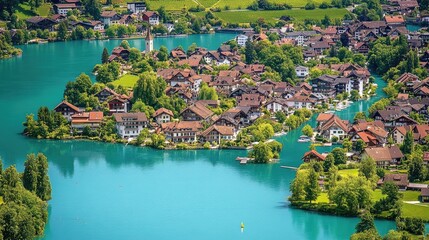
x=289, y=167
x=244, y=160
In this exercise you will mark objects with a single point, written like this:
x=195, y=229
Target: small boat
x=304, y=138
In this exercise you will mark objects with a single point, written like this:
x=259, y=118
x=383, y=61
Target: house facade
x=129, y=125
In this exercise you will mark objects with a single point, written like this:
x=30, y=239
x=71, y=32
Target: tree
x=415, y=168
x=360, y=145
x=391, y=190
x=408, y=145
x=354, y=95
x=329, y=162
x=93, y=8
x=367, y=168
x=105, y=56
x=30, y=176
x=366, y=235
x=339, y=156
x=207, y=93
x=104, y=75
x=280, y=116
x=250, y=52
x=347, y=144
x=297, y=186
x=307, y=130
x=149, y=88
x=262, y=153
x=162, y=54
x=312, y=188
x=366, y=222
x=125, y=44
x=44, y=188
x=62, y=30
x=135, y=55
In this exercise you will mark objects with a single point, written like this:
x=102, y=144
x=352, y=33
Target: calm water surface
x=112, y=191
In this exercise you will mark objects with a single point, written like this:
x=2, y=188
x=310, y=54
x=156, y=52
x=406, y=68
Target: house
x=216, y=133
x=95, y=25
x=276, y=105
x=136, y=7
x=331, y=85
x=81, y=120
x=163, y=115
x=301, y=71
x=110, y=17
x=300, y=37
x=151, y=17
x=64, y=8
x=384, y=156
x=227, y=120
x=372, y=133
x=119, y=104
x=129, y=125
x=394, y=20
x=183, y=131
x=105, y=93
x=424, y=195
x=39, y=22
x=419, y=131
x=334, y=127
x=393, y=118
x=399, y=179
x=119, y=53
x=313, y=155
x=196, y=112
x=241, y=40
x=178, y=53
x=67, y=109
x=299, y=101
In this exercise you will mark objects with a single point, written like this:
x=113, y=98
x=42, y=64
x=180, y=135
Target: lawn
x=127, y=81
x=171, y=4
x=24, y=10
x=413, y=210
x=349, y=172
x=299, y=15
x=323, y=198
x=375, y=196
x=245, y=3
x=410, y=195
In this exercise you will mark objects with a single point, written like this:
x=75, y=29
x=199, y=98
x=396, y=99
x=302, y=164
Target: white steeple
x=149, y=41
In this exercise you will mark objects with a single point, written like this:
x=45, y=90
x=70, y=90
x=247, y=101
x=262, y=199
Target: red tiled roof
x=161, y=111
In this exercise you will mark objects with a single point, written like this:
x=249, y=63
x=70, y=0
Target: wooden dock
x=244, y=160
x=289, y=167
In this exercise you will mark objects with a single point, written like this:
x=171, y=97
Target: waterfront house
x=39, y=22
x=393, y=118
x=151, y=17
x=136, y=7
x=196, y=112
x=119, y=53
x=372, y=133
x=384, y=156
x=182, y=131
x=81, y=120
x=226, y=120
x=334, y=127
x=163, y=115
x=216, y=133
x=67, y=109
x=110, y=17
x=313, y=155
x=129, y=125
x=399, y=179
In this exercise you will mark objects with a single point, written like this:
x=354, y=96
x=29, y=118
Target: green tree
x=329, y=162
x=391, y=190
x=62, y=30
x=415, y=168
x=307, y=130
x=149, y=88
x=105, y=56
x=262, y=153
x=125, y=44
x=339, y=156
x=31, y=172
x=207, y=93
x=44, y=188
x=408, y=145
x=367, y=168
x=366, y=222
x=347, y=145
x=354, y=95
x=312, y=188
x=93, y=8
x=360, y=145
x=297, y=187
x=250, y=52
x=162, y=54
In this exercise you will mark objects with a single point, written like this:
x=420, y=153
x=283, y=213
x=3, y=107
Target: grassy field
x=410, y=195
x=24, y=10
x=375, y=196
x=127, y=81
x=273, y=16
x=416, y=210
x=243, y=4
x=348, y=172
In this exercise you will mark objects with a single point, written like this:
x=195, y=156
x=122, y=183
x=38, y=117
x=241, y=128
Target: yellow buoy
x=242, y=226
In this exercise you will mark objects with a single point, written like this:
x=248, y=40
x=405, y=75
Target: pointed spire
x=148, y=34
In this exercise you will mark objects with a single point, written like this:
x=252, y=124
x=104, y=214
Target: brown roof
x=161, y=111
x=313, y=153
x=87, y=117
x=182, y=126
x=384, y=153
x=68, y=105
x=424, y=192
x=324, y=117
x=124, y=117
x=65, y=5
x=108, y=14
x=394, y=19
x=222, y=130
x=398, y=179
x=200, y=110
x=334, y=120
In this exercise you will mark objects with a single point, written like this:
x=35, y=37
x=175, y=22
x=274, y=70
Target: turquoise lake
x=113, y=191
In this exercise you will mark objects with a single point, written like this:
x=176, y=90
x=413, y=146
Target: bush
x=182, y=146
x=324, y=5
x=310, y=6
x=207, y=145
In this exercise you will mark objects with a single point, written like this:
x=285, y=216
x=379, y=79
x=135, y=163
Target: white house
x=136, y=7
x=301, y=71
x=151, y=17
x=130, y=124
x=241, y=40
x=163, y=115
x=276, y=105
x=64, y=8
x=110, y=17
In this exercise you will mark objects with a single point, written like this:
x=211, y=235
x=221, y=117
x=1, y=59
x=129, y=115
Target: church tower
x=149, y=41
